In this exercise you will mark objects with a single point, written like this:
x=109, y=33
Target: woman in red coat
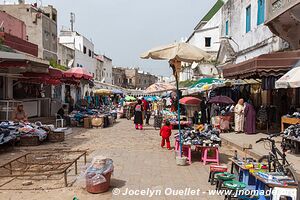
x=165, y=133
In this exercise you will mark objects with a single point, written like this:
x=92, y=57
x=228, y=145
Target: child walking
x=165, y=133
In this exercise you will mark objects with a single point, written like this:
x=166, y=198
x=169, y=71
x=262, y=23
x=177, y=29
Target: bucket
x=181, y=161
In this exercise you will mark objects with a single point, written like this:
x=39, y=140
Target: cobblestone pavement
x=140, y=164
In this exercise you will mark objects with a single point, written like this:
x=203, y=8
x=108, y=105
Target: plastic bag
x=96, y=172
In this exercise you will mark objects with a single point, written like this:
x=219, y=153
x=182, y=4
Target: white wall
x=235, y=12
x=107, y=69
x=210, y=29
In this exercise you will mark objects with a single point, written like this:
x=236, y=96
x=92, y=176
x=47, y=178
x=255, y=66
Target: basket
x=99, y=188
x=97, y=122
x=56, y=136
x=29, y=141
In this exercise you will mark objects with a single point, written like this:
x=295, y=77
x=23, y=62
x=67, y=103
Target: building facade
x=283, y=19
x=12, y=26
x=206, y=36
x=65, y=56
x=243, y=33
x=41, y=26
x=84, y=49
x=107, y=76
x=119, y=76
x=133, y=78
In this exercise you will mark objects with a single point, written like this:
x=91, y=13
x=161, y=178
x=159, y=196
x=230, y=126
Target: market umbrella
x=182, y=52
x=103, y=92
x=206, y=84
x=130, y=98
x=290, y=79
x=190, y=101
x=221, y=99
x=177, y=53
x=160, y=87
x=116, y=91
x=77, y=73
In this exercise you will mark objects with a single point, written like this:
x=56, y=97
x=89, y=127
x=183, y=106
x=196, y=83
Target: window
x=226, y=27
x=90, y=53
x=77, y=64
x=130, y=81
x=248, y=19
x=84, y=49
x=145, y=81
x=260, y=12
x=208, y=42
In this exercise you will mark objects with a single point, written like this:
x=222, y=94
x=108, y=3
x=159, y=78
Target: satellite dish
x=70, y=63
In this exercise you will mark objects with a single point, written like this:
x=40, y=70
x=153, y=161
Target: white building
x=206, y=36
x=84, y=49
x=243, y=33
x=107, y=70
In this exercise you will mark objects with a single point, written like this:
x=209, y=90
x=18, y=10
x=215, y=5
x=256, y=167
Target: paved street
x=139, y=161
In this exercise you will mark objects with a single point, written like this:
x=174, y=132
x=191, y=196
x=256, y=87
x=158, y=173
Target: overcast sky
x=123, y=29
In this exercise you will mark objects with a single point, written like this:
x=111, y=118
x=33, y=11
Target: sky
x=123, y=29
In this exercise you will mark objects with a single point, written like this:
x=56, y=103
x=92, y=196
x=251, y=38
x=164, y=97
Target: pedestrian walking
x=250, y=118
x=239, y=116
x=165, y=133
x=138, y=115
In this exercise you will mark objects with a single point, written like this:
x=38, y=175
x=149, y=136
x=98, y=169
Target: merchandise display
x=10, y=131
x=294, y=115
x=209, y=136
x=293, y=132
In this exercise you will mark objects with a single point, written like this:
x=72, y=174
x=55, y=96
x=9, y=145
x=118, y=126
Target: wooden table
x=287, y=120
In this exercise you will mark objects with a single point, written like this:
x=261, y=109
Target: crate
x=29, y=141
x=56, y=136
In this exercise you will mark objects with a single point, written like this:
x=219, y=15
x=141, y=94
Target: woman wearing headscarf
x=239, y=117
x=250, y=118
x=138, y=115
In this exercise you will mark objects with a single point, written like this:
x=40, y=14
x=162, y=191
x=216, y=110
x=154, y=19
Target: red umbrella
x=221, y=99
x=78, y=73
x=189, y=101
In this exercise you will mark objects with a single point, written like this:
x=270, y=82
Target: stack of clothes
x=294, y=115
x=10, y=131
x=293, y=132
x=208, y=136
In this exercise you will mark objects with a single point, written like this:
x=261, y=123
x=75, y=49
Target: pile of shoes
x=294, y=115
x=207, y=137
x=293, y=132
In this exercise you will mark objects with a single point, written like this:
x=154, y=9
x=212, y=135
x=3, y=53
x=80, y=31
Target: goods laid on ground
x=28, y=133
x=102, y=117
x=291, y=138
x=98, y=174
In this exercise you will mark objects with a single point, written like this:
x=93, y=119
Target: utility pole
x=72, y=20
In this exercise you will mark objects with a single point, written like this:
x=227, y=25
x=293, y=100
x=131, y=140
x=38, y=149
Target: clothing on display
x=293, y=132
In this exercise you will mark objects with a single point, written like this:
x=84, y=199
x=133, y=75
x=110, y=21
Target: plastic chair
x=284, y=192
x=205, y=158
x=58, y=120
x=213, y=169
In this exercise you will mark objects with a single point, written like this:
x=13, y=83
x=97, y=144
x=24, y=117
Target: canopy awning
x=273, y=64
x=18, y=62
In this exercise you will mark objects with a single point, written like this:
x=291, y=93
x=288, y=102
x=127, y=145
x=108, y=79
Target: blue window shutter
x=226, y=28
x=248, y=19
x=260, y=12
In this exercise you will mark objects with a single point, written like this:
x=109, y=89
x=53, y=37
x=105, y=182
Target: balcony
x=18, y=44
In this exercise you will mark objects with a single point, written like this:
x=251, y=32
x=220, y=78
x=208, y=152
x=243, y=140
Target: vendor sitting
x=61, y=114
x=19, y=114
